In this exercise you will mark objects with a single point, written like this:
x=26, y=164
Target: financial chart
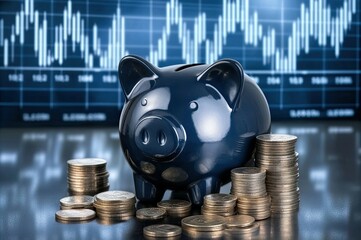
x=58, y=59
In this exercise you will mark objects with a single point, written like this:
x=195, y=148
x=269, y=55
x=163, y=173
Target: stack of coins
x=176, y=208
x=219, y=204
x=87, y=176
x=77, y=202
x=257, y=207
x=204, y=226
x=152, y=213
x=163, y=231
x=276, y=154
x=248, y=184
x=114, y=206
x=74, y=215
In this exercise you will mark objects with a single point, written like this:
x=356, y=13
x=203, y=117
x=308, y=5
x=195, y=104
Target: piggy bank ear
x=136, y=75
x=227, y=77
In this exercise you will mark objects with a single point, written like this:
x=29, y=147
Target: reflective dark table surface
x=33, y=179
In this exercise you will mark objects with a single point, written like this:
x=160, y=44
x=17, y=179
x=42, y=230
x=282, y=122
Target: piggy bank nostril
x=162, y=138
x=145, y=136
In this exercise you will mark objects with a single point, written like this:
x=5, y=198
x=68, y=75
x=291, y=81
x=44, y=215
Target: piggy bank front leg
x=146, y=191
x=202, y=188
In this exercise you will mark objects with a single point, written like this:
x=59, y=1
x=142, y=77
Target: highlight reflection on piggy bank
x=184, y=127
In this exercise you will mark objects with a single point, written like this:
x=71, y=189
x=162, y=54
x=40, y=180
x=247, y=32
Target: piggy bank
x=184, y=127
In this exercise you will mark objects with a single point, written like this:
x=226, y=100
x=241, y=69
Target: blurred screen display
x=58, y=59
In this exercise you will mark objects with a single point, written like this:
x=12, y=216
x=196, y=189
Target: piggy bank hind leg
x=146, y=191
x=202, y=188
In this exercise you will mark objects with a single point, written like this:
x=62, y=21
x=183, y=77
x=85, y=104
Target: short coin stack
x=248, y=184
x=219, y=204
x=203, y=226
x=74, y=215
x=114, y=206
x=276, y=154
x=176, y=208
x=152, y=213
x=87, y=176
x=77, y=202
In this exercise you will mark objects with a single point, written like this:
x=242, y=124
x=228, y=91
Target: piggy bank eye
x=193, y=105
x=144, y=102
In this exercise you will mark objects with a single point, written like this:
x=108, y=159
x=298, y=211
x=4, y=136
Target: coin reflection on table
x=284, y=226
x=249, y=232
x=163, y=231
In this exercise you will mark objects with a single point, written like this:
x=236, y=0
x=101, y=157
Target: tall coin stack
x=219, y=204
x=87, y=176
x=114, y=206
x=248, y=184
x=276, y=154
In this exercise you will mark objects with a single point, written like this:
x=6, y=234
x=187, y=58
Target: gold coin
x=151, y=213
x=162, y=230
x=204, y=223
x=75, y=215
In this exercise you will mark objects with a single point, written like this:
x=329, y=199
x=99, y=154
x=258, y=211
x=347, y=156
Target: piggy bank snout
x=159, y=138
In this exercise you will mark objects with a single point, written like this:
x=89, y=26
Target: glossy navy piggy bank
x=184, y=127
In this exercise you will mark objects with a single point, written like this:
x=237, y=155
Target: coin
x=81, y=201
x=220, y=199
x=162, y=230
x=113, y=197
x=72, y=215
x=276, y=138
x=204, y=223
x=239, y=221
x=175, y=207
x=151, y=213
x=90, y=162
